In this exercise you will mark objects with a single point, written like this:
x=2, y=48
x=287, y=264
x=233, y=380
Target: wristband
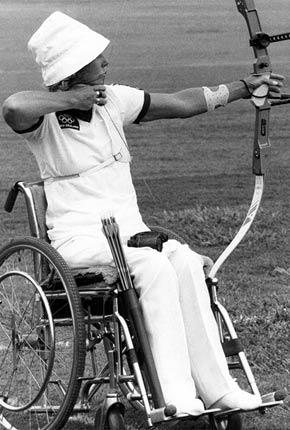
x=216, y=98
x=247, y=88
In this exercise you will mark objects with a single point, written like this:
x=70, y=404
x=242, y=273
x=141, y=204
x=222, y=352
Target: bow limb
x=249, y=12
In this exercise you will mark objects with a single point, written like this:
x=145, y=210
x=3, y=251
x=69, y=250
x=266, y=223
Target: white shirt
x=76, y=205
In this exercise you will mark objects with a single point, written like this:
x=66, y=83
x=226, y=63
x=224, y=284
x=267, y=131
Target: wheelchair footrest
x=158, y=415
x=274, y=396
x=161, y=414
x=260, y=408
x=270, y=404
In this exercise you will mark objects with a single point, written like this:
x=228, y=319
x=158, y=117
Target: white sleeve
x=130, y=101
x=35, y=133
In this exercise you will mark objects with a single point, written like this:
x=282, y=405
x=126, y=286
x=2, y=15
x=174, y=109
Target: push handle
x=11, y=198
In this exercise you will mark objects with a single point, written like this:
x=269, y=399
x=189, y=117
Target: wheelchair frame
x=126, y=372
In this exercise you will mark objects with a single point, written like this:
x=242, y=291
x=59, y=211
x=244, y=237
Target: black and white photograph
x=145, y=215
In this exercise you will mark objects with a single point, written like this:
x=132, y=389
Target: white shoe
x=238, y=399
x=194, y=408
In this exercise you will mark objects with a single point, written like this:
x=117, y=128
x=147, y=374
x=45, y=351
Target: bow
x=261, y=100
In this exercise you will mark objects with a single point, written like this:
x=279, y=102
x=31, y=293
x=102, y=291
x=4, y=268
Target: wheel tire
x=235, y=422
x=115, y=419
x=34, y=397
x=231, y=422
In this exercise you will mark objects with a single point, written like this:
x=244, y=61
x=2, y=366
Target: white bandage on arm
x=216, y=98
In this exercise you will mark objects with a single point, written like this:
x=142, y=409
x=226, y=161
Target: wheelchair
x=72, y=342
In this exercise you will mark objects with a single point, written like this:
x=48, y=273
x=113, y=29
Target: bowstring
x=118, y=37
x=116, y=34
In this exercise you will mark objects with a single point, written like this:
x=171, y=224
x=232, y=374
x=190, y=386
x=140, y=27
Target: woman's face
x=93, y=73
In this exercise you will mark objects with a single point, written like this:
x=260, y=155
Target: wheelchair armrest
x=11, y=198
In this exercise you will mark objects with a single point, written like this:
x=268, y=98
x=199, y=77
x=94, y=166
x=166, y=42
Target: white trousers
x=178, y=318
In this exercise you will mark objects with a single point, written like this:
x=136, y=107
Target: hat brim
x=75, y=59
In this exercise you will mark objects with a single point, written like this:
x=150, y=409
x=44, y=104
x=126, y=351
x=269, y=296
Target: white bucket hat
x=62, y=46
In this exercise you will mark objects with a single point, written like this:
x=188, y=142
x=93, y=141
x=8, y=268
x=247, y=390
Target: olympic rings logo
x=66, y=119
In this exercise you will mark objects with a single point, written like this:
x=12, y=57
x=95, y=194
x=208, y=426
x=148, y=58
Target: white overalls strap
x=88, y=172
x=120, y=150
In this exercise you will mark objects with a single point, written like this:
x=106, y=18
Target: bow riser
x=261, y=66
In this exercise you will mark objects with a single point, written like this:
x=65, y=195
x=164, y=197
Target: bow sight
x=263, y=40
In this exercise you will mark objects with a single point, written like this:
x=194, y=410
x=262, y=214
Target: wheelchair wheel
x=42, y=337
x=231, y=422
x=115, y=419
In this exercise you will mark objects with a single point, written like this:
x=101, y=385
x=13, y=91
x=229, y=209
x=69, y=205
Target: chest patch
x=66, y=120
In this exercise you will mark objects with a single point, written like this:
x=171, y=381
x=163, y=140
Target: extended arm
x=22, y=110
x=191, y=101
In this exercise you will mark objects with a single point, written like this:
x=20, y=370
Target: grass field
x=192, y=175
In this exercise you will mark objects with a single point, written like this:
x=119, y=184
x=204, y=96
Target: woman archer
x=76, y=132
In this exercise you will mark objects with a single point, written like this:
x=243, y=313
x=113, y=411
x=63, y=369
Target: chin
x=98, y=81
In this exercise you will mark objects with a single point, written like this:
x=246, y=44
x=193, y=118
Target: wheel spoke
x=41, y=362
